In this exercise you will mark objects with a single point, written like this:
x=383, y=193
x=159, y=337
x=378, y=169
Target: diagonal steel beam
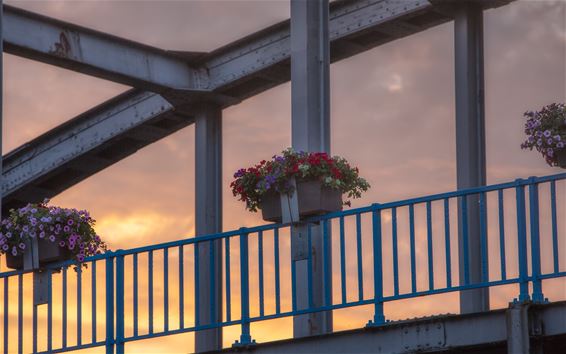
x=262, y=60
x=239, y=70
x=87, y=144
x=73, y=47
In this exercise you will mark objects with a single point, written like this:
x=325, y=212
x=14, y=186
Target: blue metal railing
x=149, y=291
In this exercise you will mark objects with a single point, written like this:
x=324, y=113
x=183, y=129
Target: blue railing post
x=245, y=337
x=378, y=317
x=120, y=303
x=522, y=241
x=537, y=295
x=110, y=304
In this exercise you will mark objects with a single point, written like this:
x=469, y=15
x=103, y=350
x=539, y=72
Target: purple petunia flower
x=61, y=243
x=52, y=238
x=5, y=247
x=42, y=234
x=70, y=222
x=239, y=173
x=560, y=145
x=270, y=179
x=539, y=142
x=66, y=229
x=547, y=133
x=14, y=251
x=22, y=245
x=549, y=141
x=557, y=138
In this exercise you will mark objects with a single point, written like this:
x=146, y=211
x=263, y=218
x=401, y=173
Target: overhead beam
x=77, y=48
x=87, y=144
x=260, y=61
x=355, y=26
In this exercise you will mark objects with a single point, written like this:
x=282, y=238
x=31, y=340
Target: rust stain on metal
x=63, y=47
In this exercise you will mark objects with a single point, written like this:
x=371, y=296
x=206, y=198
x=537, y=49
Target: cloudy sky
x=392, y=113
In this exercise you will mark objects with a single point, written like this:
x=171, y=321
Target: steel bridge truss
x=169, y=85
x=173, y=89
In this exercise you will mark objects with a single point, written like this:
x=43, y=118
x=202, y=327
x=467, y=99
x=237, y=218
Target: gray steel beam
x=310, y=125
x=260, y=61
x=208, y=215
x=470, y=144
x=95, y=53
x=87, y=144
x=485, y=332
x=358, y=25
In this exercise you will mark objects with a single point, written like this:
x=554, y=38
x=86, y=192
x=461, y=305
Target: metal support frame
x=95, y=53
x=310, y=61
x=208, y=215
x=86, y=144
x=231, y=73
x=470, y=145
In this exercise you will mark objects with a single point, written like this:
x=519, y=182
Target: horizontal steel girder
x=260, y=61
x=241, y=69
x=87, y=144
x=237, y=71
x=482, y=332
x=95, y=53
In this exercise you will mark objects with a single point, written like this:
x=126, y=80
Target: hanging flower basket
x=60, y=234
x=48, y=252
x=546, y=132
x=313, y=199
x=318, y=179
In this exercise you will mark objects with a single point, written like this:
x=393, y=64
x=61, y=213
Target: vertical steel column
x=470, y=142
x=310, y=132
x=208, y=214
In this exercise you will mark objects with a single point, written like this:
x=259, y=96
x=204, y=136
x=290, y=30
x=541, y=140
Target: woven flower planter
x=313, y=199
x=48, y=252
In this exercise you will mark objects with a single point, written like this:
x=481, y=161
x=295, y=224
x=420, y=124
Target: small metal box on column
x=208, y=215
x=470, y=145
x=310, y=132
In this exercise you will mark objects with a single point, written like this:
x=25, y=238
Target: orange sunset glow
x=392, y=115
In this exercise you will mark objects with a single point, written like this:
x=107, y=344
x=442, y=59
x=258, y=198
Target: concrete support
x=208, y=214
x=470, y=143
x=310, y=132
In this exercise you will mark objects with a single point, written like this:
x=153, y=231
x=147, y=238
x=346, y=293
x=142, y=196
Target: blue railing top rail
x=353, y=211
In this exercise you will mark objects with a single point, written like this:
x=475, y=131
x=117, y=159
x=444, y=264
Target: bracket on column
x=41, y=278
x=299, y=231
